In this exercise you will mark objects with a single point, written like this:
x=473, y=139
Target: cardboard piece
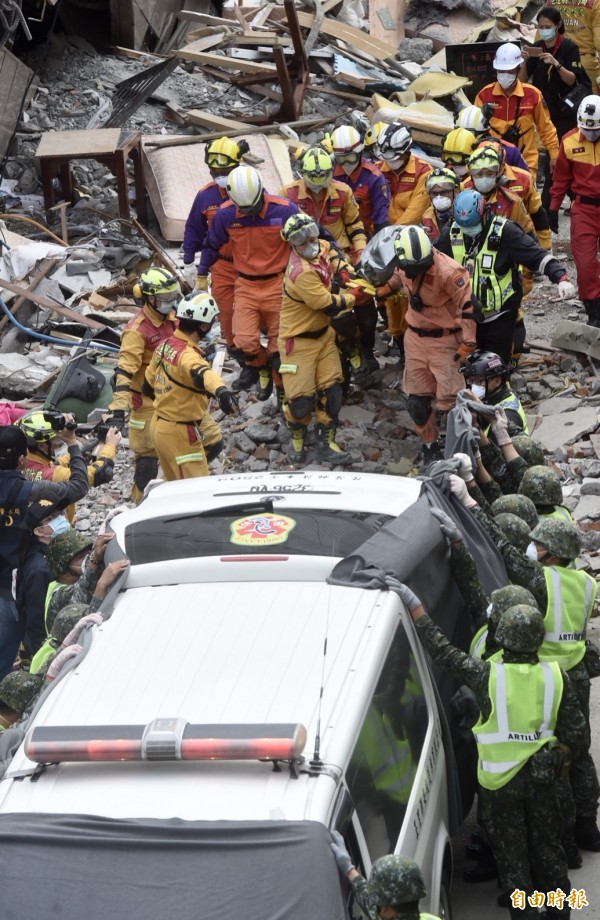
x=78, y=143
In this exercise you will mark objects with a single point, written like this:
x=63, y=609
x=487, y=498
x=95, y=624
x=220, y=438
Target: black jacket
x=33, y=577
x=553, y=89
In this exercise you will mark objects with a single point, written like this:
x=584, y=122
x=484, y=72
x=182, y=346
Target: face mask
x=477, y=390
x=317, y=187
x=221, y=181
x=459, y=170
x=484, y=184
x=506, y=80
x=309, y=250
x=441, y=203
x=591, y=134
x=164, y=307
x=397, y=164
x=348, y=167
x=472, y=231
x=59, y=525
x=547, y=35
x=531, y=552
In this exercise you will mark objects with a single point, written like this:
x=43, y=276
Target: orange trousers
x=222, y=284
x=257, y=306
x=430, y=370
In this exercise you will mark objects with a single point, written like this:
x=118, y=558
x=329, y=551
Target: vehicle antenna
x=316, y=761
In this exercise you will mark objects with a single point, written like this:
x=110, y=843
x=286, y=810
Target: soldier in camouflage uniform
x=557, y=587
x=64, y=633
x=394, y=889
x=17, y=692
x=514, y=529
x=530, y=450
x=501, y=468
x=519, y=763
x=520, y=505
x=542, y=486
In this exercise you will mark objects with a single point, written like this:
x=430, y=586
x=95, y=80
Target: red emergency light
x=164, y=739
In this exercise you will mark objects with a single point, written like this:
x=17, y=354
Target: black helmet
x=13, y=444
x=485, y=364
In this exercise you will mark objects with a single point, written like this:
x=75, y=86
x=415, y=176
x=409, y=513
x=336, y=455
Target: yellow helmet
x=413, y=250
x=224, y=153
x=161, y=284
x=445, y=178
x=372, y=136
x=299, y=228
x=36, y=427
x=485, y=157
x=458, y=146
x=317, y=168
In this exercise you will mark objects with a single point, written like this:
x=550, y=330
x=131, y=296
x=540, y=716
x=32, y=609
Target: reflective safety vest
x=478, y=641
x=51, y=589
x=491, y=290
x=42, y=655
x=571, y=596
x=389, y=758
x=525, y=700
x=560, y=513
x=513, y=403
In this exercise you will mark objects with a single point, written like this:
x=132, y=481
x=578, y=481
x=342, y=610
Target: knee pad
x=331, y=400
x=146, y=468
x=274, y=361
x=301, y=406
x=419, y=408
x=212, y=451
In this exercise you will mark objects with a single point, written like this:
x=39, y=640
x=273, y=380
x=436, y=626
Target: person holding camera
x=553, y=66
x=519, y=109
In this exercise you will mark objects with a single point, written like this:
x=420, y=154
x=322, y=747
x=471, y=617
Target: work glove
x=356, y=293
x=565, y=289
x=553, y=221
x=458, y=487
x=227, y=401
x=201, y=283
x=104, y=472
x=60, y=661
x=464, y=350
x=342, y=277
x=408, y=597
x=465, y=470
x=341, y=854
x=447, y=525
x=91, y=619
x=190, y=273
x=117, y=420
x=500, y=428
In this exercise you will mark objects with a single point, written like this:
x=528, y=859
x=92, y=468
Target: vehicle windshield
x=245, y=531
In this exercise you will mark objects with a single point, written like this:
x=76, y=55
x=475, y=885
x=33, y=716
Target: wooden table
x=57, y=149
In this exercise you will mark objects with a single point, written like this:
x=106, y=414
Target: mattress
x=174, y=175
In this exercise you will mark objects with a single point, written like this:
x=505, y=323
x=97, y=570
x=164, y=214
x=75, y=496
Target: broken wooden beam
x=227, y=63
x=23, y=298
x=48, y=304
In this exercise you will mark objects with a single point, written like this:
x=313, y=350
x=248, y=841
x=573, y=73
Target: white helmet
x=346, y=139
x=198, y=307
x=244, y=187
x=588, y=113
x=394, y=142
x=471, y=118
x=508, y=56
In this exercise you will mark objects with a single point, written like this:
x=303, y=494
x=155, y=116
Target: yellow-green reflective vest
x=389, y=758
x=477, y=647
x=560, y=513
x=41, y=656
x=525, y=700
x=51, y=589
x=513, y=403
x=571, y=596
x=491, y=290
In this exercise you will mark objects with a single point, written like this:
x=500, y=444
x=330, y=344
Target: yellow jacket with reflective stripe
x=176, y=397
x=571, y=596
x=525, y=700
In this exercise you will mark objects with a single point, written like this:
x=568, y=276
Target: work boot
x=264, y=387
x=246, y=380
x=587, y=835
x=484, y=871
x=369, y=362
x=327, y=450
x=431, y=454
x=574, y=858
x=296, y=451
x=592, y=308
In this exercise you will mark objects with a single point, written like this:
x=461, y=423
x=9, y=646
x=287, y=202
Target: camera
x=512, y=135
x=58, y=421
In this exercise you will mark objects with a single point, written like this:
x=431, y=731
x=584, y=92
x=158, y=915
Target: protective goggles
x=304, y=235
x=459, y=159
x=220, y=161
x=348, y=158
x=169, y=296
x=389, y=154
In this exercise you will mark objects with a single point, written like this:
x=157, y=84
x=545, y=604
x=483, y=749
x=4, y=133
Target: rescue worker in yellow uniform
x=180, y=383
x=159, y=292
x=406, y=175
x=310, y=363
x=519, y=108
x=442, y=185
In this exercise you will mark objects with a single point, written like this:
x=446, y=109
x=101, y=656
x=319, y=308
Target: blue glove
x=341, y=854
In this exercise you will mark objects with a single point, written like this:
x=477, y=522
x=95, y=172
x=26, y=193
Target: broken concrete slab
x=557, y=404
x=566, y=427
x=354, y=415
x=590, y=486
x=577, y=337
x=588, y=507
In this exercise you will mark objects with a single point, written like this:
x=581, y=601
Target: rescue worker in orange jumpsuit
x=519, y=108
x=442, y=185
x=578, y=168
x=251, y=221
x=441, y=330
x=159, y=292
x=180, y=382
x=310, y=362
x=406, y=175
x=332, y=205
x=221, y=156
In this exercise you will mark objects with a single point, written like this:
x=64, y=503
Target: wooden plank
x=357, y=39
x=270, y=39
x=45, y=267
x=49, y=304
x=386, y=20
x=220, y=60
x=204, y=42
x=203, y=18
x=322, y=8
x=78, y=143
x=262, y=16
x=335, y=92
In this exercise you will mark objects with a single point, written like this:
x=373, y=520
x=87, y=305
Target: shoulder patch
x=459, y=281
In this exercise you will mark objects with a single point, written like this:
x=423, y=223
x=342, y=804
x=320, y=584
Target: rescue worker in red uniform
x=519, y=108
x=251, y=221
x=310, y=362
x=159, y=292
x=441, y=330
x=578, y=169
x=180, y=382
x=221, y=156
x=442, y=185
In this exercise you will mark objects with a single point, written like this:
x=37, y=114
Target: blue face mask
x=59, y=525
x=547, y=35
x=472, y=231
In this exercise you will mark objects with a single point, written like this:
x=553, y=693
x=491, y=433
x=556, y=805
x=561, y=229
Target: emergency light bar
x=164, y=739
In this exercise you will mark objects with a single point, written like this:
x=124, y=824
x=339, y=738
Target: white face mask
x=441, y=202
x=591, y=134
x=531, y=552
x=484, y=184
x=221, y=181
x=397, y=164
x=506, y=80
x=477, y=390
x=460, y=171
x=472, y=231
x=309, y=250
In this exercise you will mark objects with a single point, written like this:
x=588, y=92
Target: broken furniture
x=109, y=146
